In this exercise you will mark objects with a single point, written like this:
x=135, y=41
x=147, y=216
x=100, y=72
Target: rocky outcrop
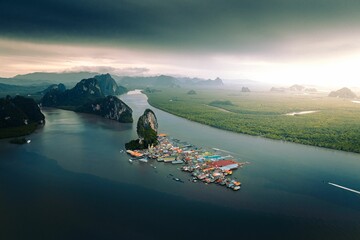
x=343, y=93
x=19, y=112
x=294, y=88
x=147, y=122
x=85, y=91
x=60, y=87
x=147, y=128
x=245, y=89
x=88, y=96
x=164, y=81
x=109, y=107
x=297, y=88
x=108, y=85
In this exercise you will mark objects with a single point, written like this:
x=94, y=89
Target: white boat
x=143, y=160
x=177, y=162
x=130, y=161
x=28, y=141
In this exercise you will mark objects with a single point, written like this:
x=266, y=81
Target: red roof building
x=222, y=163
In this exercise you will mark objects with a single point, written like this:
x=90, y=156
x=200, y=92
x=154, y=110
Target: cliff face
x=19, y=111
x=84, y=91
x=343, y=93
x=89, y=96
x=147, y=122
x=108, y=85
x=147, y=127
x=109, y=107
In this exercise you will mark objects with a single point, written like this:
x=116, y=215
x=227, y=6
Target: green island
x=330, y=123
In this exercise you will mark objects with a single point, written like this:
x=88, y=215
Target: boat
x=130, y=160
x=28, y=141
x=177, y=162
x=145, y=160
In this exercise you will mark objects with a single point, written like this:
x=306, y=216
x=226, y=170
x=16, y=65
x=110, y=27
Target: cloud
x=204, y=25
x=131, y=71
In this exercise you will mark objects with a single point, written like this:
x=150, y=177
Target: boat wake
x=345, y=188
x=221, y=150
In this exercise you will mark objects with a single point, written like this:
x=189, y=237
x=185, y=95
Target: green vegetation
x=19, y=116
x=336, y=125
x=17, y=131
x=221, y=103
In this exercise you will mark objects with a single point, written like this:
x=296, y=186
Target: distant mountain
x=245, y=89
x=164, y=81
x=61, y=87
x=293, y=88
x=8, y=89
x=22, y=82
x=310, y=90
x=278, y=89
x=71, y=78
x=19, y=116
x=89, y=96
x=296, y=87
x=64, y=77
x=152, y=82
x=343, y=93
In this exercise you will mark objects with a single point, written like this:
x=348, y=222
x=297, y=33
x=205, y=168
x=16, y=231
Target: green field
x=336, y=125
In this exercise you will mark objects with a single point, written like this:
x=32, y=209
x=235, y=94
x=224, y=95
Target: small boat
x=178, y=179
x=177, y=162
x=130, y=161
x=28, y=141
x=236, y=188
x=143, y=160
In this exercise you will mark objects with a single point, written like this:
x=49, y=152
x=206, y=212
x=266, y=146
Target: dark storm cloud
x=242, y=25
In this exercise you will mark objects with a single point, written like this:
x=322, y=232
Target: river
x=73, y=182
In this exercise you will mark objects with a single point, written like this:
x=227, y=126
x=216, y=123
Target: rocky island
x=19, y=116
x=343, y=93
x=147, y=128
x=92, y=95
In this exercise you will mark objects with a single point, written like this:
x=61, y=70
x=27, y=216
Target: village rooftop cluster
x=204, y=165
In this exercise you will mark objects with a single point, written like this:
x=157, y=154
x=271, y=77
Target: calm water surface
x=73, y=182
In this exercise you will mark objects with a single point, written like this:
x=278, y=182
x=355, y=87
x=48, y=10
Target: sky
x=275, y=41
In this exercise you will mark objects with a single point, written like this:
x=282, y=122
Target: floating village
x=207, y=166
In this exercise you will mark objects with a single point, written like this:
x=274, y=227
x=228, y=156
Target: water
x=73, y=182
